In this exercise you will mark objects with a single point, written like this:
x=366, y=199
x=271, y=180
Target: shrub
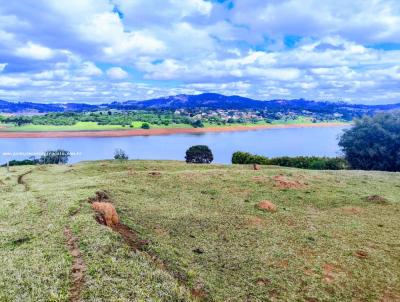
x=199, y=154
x=373, y=143
x=23, y=162
x=55, y=157
x=145, y=126
x=120, y=155
x=197, y=124
x=302, y=162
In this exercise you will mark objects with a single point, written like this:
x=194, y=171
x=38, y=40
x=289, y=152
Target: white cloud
x=90, y=69
x=359, y=20
x=13, y=81
x=117, y=73
x=107, y=30
x=54, y=48
x=34, y=51
x=2, y=66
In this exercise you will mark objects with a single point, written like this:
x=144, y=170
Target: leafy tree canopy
x=373, y=143
x=199, y=154
x=120, y=154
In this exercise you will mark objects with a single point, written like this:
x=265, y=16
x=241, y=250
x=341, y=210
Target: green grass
x=84, y=126
x=249, y=255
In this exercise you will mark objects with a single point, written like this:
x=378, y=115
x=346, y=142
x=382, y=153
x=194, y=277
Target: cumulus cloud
x=323, y=50
x=34, y=51
x=117, y=73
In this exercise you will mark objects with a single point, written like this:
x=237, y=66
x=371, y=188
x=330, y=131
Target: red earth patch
x=267, y=206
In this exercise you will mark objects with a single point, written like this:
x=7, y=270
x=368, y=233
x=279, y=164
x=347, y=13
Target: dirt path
x=21, y=180
x=78, y=268
x=159, y=131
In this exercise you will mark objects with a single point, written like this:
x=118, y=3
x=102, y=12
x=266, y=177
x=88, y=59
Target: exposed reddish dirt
x=328, y=272
x=161, y=131
x=198, y=292
x=361, y=254
x=283, y=182
x=331, y=272
x=267, y=206
x=130, y=237
x=78, y=268
x=108, y=214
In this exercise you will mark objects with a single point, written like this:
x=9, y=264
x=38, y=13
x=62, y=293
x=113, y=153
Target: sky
x=98, y=51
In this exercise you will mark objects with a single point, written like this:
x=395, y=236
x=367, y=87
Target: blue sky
x=107, y=50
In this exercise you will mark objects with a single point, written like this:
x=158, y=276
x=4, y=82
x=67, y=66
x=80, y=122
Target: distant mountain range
x=205, y=100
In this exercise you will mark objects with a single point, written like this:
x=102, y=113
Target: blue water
x=272, y=142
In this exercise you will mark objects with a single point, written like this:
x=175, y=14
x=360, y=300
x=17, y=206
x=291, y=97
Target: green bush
x=197, y=124
x=302, y=162
x=23, y=162
x=199, y=154
x=145, y=126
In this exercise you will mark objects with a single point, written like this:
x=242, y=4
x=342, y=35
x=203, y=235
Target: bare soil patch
x=267, y=206
x=106, y=213
x=331, y=272
x=283, y=182
x=361, y=254
x=78, y=268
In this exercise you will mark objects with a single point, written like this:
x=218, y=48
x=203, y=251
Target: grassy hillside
x=206, y=239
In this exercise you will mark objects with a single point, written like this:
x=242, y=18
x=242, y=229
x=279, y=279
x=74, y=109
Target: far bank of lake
x=271, y=142
x=16, y=133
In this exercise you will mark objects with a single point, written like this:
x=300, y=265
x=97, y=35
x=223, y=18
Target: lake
x=270, y=142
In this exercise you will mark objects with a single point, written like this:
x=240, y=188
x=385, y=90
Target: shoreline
x=157, y=131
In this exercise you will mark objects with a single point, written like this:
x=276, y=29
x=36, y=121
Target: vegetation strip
x=157, y=131
x=132, y=239
x=78, y=267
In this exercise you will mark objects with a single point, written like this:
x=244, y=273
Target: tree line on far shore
x=373, y=143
